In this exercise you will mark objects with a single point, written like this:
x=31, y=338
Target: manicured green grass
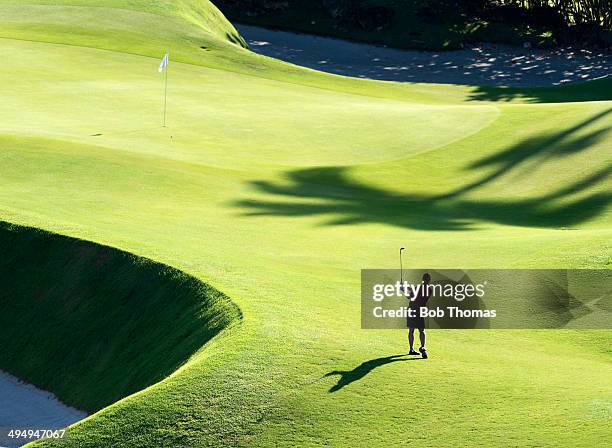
x=276, y=185
x=95, y=324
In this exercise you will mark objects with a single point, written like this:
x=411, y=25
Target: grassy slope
x=276, y=186
x=69, y=306
x=149, y=31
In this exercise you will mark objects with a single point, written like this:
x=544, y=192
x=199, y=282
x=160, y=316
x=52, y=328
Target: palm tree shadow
x=346, y=201
x=597, y=90
x=349, y=376
x=558, y=144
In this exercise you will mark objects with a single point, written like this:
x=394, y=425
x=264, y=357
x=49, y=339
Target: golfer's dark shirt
x=421, y=299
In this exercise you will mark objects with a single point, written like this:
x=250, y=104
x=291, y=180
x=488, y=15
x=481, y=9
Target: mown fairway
x=276, y=185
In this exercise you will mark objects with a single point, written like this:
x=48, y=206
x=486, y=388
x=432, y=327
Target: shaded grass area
x=344, y=200
x=346, y=377
x=598, y=90
x=95, y=324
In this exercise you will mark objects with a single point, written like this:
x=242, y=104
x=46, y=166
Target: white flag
x=164, y=63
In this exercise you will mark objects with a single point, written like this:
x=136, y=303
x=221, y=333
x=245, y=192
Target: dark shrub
x=375, y=18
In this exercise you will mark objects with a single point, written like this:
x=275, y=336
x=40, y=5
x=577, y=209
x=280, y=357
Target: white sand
x=23, y=406
x=484, y=64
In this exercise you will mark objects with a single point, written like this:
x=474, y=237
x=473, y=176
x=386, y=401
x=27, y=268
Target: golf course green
x=251, y=215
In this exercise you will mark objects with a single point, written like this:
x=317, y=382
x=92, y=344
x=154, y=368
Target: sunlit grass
x=276, y=185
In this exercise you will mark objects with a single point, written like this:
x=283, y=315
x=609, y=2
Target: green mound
x=95, y=324
x=87, y=17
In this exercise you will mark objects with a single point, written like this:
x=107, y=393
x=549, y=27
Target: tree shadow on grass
x=349, y=376
x=597, y=90
x=347, y=201
x=536, y=150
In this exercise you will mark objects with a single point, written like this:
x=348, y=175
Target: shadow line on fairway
x=127, y=131
x=347, y=201
x=595, y=90
x=349, y=376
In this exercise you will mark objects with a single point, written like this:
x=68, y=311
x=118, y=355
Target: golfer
x=417, y=321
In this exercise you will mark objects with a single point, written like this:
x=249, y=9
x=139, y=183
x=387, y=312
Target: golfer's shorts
x=416, y=322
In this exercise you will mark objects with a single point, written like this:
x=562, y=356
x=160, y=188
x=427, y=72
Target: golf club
x=401, y=266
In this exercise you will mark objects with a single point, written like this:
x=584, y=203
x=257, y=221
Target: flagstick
x=166, y=88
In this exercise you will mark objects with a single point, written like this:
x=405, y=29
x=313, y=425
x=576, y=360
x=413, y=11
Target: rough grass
x=276, y=185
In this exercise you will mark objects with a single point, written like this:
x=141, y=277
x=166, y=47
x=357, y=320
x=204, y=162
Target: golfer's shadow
x=349, y=376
